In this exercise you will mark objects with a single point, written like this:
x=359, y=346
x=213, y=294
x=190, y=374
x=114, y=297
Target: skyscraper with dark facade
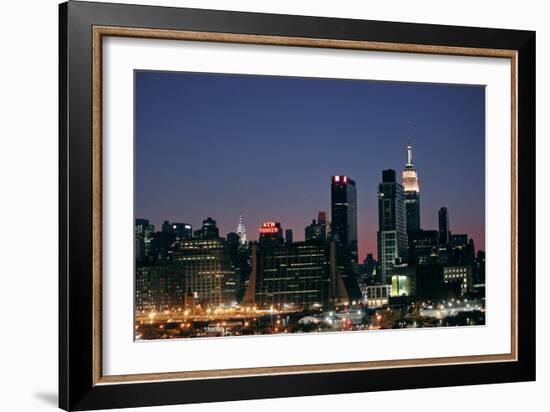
x=322, y=221
x=209, y=229
x=232, y=244
x=157, y=287
x=144, y=232
x=368, y=269
x=299, y=273
x=240, y=261
x=392, y=234
x=182, y=230
x=344, y=221
x=459, y=240
x=144, y=228
x=166, y=227
x=412, y=193
x=423, y=247
x=314, y=231
x=289, y=237
x=479, y=268
x=444, y=233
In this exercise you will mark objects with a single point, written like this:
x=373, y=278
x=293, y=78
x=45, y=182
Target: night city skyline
x=272, y=145
x=268, y=205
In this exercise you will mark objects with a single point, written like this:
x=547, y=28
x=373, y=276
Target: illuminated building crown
x=241, y=231
x=410, y=178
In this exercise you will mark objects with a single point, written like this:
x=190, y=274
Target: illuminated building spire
x=409, y=152
x=241, y=231
x=412, y=192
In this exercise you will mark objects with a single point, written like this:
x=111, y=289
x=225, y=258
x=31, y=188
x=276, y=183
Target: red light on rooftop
x=345, y=179
x=336, y=178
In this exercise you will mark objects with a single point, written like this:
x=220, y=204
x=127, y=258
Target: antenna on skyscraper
x=409, y=151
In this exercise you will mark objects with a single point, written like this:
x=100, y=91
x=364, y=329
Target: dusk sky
x=265, y=146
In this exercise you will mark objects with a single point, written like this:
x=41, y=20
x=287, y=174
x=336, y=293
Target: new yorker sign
x=269, y=227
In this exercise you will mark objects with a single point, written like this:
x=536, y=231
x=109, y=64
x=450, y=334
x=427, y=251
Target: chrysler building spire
x=241, y=231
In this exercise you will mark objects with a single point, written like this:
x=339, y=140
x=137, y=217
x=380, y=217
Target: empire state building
x=412, y=193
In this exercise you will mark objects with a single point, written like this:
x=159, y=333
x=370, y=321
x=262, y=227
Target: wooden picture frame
x=82, y=384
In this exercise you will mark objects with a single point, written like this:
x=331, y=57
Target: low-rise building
x=459, y=275
x=376, y=296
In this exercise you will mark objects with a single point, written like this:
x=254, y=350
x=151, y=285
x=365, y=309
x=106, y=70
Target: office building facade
x=392, y=234
x=444, y=232
x=205, y=266
x=297, y=273
x=461, y=276
x=344, y=222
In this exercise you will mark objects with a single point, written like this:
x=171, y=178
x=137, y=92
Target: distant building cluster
x=198, y=270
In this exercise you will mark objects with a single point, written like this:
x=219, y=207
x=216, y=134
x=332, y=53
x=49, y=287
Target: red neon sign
x=269, y=227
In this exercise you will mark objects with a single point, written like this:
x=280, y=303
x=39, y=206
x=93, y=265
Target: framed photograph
x=257, y=205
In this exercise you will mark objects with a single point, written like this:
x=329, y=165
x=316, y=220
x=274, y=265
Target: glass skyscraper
x=344, y=222
x=444, y=233
x=392, y=235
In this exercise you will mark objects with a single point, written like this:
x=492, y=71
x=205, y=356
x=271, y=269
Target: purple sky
x=265, y=146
